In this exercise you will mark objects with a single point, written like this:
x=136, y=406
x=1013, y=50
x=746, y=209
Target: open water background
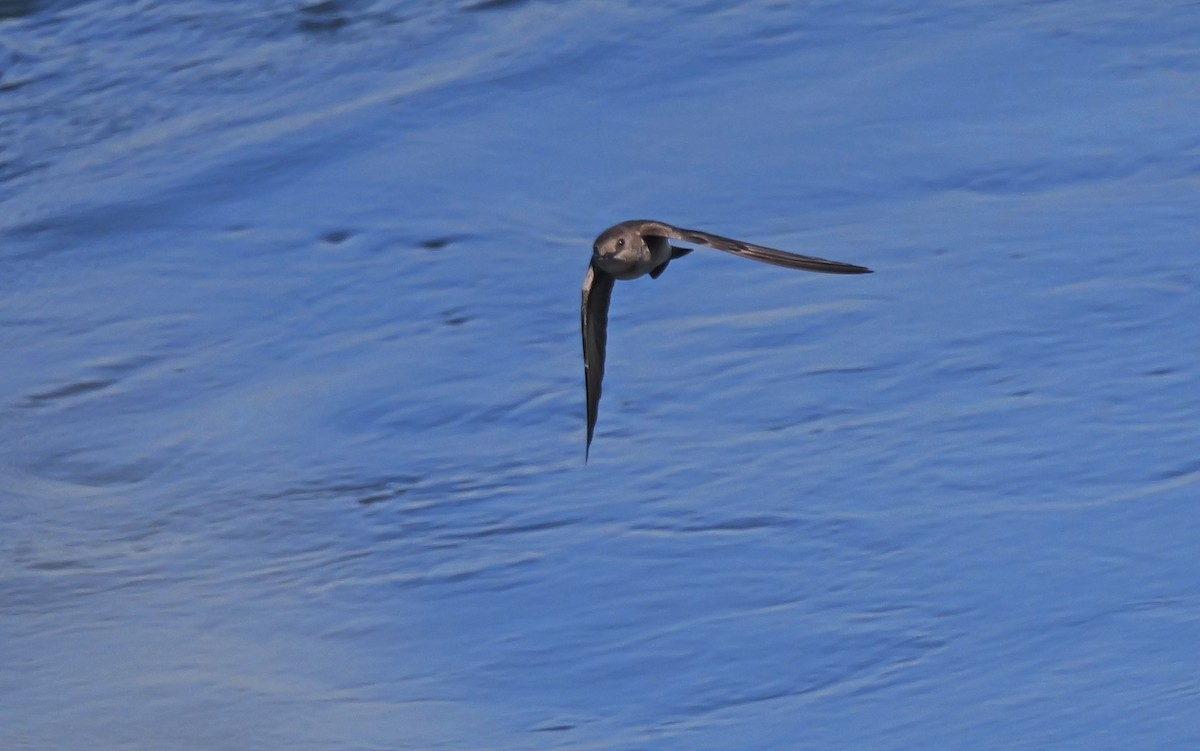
x=291, y=405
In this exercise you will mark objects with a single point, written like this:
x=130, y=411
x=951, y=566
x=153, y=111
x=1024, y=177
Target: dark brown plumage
x=639, y=247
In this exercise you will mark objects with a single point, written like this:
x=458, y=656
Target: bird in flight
x=643, y=246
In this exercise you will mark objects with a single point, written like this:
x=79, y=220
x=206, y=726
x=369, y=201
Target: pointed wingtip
x=850, y=268
x=853, y=268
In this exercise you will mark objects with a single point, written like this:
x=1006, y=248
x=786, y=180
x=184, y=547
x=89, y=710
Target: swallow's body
x=639, y=247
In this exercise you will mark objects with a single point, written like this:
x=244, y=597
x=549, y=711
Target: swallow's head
x=619, y=250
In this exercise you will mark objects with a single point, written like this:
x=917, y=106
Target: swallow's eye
x=620, y=242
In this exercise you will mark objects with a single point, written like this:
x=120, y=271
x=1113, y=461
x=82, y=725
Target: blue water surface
x=291, y=412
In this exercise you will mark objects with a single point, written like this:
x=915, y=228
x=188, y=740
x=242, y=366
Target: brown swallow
x=642, y=246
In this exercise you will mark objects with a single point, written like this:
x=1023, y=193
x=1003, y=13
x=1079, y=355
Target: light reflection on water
x=292, y=436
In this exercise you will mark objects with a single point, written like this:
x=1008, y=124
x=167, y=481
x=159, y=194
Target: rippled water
x=291, y=430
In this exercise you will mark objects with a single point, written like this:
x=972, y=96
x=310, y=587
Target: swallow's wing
x=756, y=252
x=597, y=291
